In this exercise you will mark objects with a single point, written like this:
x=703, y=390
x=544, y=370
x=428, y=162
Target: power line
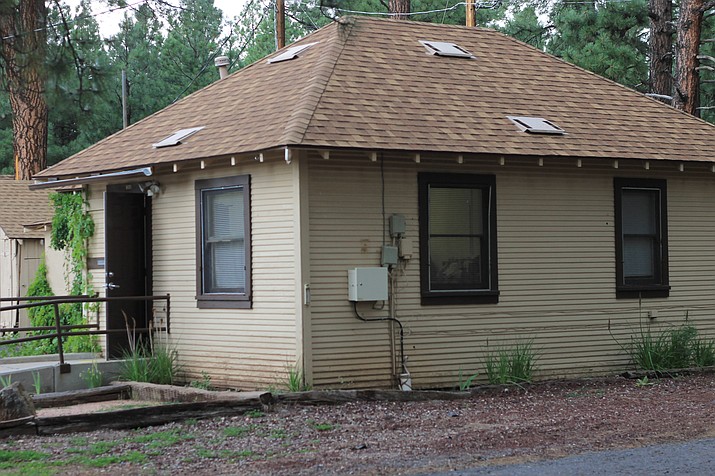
x=69, y=22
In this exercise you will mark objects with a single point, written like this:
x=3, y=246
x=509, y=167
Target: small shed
x=22, y=247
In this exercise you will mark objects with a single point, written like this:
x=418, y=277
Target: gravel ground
x=509, y=425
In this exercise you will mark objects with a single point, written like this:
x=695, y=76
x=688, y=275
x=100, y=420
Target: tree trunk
x=687, y=79
x=23, y=28
x=400, y=9
x=661, y=47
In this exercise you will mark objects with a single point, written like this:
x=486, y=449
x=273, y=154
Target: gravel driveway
x=510, y=425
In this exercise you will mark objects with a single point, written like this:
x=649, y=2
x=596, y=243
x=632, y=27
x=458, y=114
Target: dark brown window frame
x=659, y=286
x=487, y=183
x=228, y=300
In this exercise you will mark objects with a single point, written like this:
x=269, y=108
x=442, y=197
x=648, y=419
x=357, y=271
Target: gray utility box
x=367, y=284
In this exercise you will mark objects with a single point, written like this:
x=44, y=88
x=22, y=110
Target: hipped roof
x=20, y=206
x=369, y=84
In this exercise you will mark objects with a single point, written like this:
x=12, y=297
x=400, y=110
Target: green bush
x=149, y=363
x=42, y=316
x=512, y=365
x=672, y=348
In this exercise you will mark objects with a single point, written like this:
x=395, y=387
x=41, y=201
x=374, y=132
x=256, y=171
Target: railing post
x=64, y=368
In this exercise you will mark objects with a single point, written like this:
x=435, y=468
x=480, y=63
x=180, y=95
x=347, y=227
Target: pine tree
x=23, y=47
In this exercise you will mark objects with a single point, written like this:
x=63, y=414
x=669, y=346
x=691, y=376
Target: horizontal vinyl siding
x=95, y=198
x=238, y=348
x=556, y=253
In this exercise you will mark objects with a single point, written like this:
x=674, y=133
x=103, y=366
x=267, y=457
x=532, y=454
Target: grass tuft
x=511, y=365
x=671, y=348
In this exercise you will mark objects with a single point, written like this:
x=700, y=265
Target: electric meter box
x=367, y=284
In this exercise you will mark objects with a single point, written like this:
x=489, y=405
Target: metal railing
x=65, y=330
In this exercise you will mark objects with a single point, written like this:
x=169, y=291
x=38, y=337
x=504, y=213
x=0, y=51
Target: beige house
x=382, y=175
x=22, y=246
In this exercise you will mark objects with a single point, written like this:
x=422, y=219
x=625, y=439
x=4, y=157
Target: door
x=127, y=269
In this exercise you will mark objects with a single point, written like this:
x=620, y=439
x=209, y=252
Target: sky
x=109, y=21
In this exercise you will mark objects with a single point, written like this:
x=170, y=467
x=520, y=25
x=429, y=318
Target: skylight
x=291, y=53
x=177, y=137
x=440, y=48
x=536, y=125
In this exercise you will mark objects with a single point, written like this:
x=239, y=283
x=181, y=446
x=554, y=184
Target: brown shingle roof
x=20, y=206
x=369, y=84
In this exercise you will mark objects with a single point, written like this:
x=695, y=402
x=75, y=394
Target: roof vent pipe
x=222, y=62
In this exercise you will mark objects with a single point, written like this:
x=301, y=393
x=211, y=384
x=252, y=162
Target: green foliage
x=238, y=431
x=204, y=383
x=465, y=382
x=92, y=376
x=5, y=380
x=147, y=362
x=324, y=426
x=21, y=456
x=72, y=227
x=524, y=25
x=644, y=382
x=295, y=379
x=37, y=382
x=511, y=365
x=671, y=348
x=609, y=39
x=44, y=316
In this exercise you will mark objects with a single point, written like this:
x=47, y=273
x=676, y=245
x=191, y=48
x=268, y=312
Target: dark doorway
x=127, y=239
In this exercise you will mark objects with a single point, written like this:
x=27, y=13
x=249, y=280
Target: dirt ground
x=546, y=420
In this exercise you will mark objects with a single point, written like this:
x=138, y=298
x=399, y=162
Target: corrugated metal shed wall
x=556, y=269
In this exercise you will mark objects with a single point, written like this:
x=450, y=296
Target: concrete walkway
x=44, y=371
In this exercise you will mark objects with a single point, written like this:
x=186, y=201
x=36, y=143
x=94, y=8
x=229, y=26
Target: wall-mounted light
x=150, y=188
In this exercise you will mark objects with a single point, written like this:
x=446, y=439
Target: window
x=223, y=245
x=641, y=238
x=458, y=247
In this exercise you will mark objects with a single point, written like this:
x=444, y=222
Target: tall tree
x=660, y=47
x=78, y=75
x=23, y=47
x=687, y=78
x=133, y=49
x=399, y=8
x=604, y=37
x=194, y=39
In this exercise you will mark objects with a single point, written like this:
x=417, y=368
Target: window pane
x=638, y=257
x=455, y=211
x=455, y=263
x=224, y=244
x=639, y=212
x=224, y=213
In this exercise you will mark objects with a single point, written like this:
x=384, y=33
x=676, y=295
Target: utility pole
x=471, y=14
x=280, y=24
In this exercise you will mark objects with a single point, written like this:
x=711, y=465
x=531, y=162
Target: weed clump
x=511, y=365
x=671, y=348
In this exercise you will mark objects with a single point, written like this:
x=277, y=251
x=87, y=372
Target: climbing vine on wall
x=72, y=227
